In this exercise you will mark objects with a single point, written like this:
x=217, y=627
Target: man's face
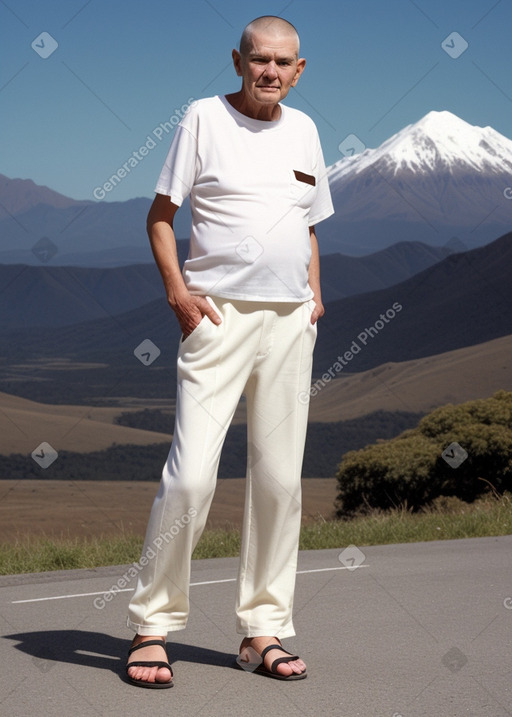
x=270, y=68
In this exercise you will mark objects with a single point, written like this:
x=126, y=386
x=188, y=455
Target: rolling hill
x=462, y=301
x=25, y=424
x=53, y=296
x=417, y=386
x=346, y=414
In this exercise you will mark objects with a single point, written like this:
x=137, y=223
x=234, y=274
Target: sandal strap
x=278, y=660
x=283, y=659
x=146, y=643
x=274, y=647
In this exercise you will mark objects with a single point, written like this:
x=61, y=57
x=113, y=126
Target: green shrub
x=409, y=470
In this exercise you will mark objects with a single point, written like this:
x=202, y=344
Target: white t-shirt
x=252, y=199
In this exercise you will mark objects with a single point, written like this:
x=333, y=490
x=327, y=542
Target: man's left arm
x=314, y=277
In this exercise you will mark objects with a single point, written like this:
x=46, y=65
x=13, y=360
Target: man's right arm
x=189, y=309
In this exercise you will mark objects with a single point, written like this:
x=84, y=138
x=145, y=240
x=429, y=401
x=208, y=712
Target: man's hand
x=190, y=309
x=318, y=311
x=314, y=277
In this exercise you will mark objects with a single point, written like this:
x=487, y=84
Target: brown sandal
x=142, y=663
x=263, y=670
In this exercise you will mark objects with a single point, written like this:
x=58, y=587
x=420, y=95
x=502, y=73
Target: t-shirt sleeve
x=178, y=173
x=322, y=205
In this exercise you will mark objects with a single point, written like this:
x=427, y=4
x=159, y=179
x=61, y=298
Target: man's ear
x=301, y=64
x=237, y=62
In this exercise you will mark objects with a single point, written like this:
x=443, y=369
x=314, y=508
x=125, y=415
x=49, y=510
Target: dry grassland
x=87, y=508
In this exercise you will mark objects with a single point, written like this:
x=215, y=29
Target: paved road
x=422, y=630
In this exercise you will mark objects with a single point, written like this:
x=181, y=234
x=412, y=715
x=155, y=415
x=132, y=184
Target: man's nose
x=271, y=70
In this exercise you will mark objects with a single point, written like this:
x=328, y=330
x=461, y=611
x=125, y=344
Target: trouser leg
x=277, y=422
x=209, y=388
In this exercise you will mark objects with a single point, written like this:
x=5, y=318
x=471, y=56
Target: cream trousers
x=263, y=350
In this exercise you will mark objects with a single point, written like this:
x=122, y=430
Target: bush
x=409, y=470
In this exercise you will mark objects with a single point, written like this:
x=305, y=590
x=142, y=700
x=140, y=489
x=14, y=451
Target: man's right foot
x=157, y=673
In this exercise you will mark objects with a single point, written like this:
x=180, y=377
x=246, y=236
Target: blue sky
x=121, y=68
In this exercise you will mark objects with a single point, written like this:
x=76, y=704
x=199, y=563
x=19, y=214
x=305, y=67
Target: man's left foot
x=276, y=662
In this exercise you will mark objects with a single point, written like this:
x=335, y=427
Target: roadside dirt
x=88, y=508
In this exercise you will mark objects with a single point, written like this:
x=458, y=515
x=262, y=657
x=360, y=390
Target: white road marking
x=74, y=595
x=206, y=582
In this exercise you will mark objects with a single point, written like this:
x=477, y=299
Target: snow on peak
x=442, y=120
x=440, y=140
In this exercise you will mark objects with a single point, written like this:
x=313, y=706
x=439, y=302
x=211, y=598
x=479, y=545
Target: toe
x=163, y=675
x=150, y=674
x=285, y=668
x=288, y=668
x=298, y=666
x=153, y=674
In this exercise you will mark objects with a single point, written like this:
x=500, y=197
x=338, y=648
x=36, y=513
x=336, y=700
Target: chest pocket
x=302, y=187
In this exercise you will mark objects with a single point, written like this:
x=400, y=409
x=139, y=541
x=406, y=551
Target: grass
x=447, y=519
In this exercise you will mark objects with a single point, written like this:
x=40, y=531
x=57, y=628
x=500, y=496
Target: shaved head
x=269, y=64
x=270, y=25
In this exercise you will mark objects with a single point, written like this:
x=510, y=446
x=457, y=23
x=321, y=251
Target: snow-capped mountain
x=436, y=179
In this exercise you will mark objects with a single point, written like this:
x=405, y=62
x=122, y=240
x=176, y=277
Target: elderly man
x=247, y=302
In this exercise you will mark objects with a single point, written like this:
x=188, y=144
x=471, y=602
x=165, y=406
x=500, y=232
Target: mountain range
x=440, y=181
x=461, y=301
x=80, y=233
x=35, y=296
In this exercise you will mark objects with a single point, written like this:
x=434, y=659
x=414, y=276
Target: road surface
x=418, y=630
